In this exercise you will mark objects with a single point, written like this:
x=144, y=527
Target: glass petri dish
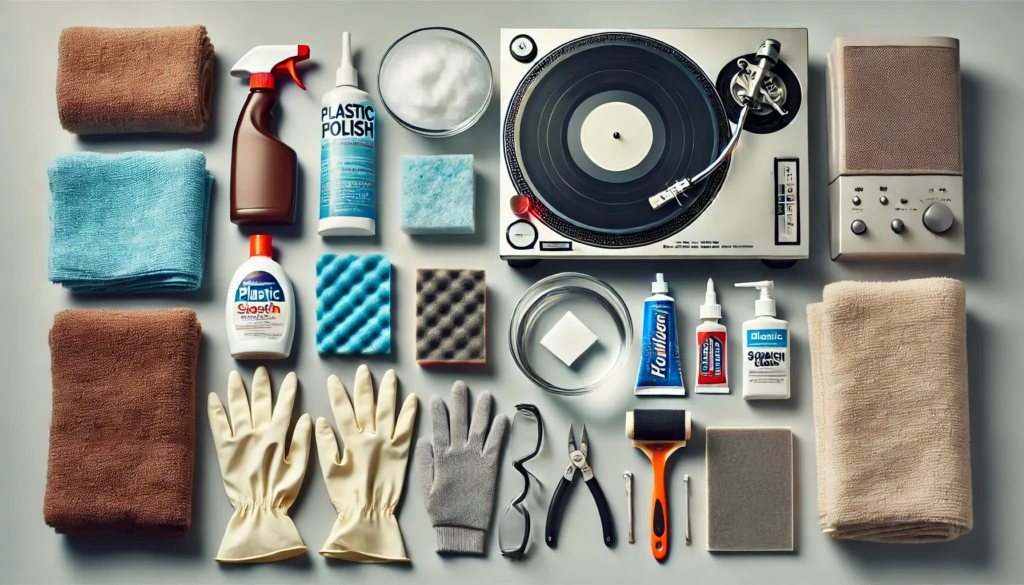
x=594, y=303
x=452, y=70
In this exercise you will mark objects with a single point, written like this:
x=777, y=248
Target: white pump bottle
x=765, y=348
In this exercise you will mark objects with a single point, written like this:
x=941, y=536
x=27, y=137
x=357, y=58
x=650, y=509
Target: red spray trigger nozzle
x=261, y=64
x=289, y=65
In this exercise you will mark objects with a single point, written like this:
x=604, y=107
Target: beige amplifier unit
x=895, y=148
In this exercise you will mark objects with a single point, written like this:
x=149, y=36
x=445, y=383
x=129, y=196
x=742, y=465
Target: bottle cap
x=659, y=286
x=261, y=245
x=711, y=309
x=764, y=306
x=346, y=74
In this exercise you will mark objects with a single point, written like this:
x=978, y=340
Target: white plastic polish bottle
x=260, y=306
x=348, y=167
x=765, y=348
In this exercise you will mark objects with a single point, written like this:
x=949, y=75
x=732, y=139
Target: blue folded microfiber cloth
x=437, y=194
x=131, y=222
x=353, y=304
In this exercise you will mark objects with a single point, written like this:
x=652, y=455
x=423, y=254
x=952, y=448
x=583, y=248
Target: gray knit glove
x=459, y=472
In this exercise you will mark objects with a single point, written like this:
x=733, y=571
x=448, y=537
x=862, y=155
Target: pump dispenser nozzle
x=764, y=306
x=346, y=74
x=711, y=309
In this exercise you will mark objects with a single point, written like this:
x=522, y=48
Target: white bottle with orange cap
x=260, y=306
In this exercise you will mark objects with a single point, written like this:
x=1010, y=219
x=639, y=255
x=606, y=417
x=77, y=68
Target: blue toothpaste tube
x=660, y=374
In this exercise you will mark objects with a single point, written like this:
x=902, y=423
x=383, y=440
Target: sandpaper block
x=451, y=317
x=750, y=489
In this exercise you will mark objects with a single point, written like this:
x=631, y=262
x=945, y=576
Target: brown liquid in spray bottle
x=263, y=169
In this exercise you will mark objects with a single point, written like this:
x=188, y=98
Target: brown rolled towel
x=122, y=435
x=889, y=371
x=127, y=80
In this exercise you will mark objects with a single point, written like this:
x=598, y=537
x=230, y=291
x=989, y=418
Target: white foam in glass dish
x=435, y=81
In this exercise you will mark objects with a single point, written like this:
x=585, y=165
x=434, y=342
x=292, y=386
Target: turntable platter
x=602, y=123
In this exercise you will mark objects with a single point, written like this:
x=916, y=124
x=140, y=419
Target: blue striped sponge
x=353, y=304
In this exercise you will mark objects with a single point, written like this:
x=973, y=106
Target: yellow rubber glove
x=365, y=484
x=262, y=481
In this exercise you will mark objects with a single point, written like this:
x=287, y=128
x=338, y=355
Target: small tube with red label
x=711, y=347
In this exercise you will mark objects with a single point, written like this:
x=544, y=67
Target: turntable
x=625, y=144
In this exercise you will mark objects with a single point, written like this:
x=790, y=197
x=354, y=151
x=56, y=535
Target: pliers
x=577, y=461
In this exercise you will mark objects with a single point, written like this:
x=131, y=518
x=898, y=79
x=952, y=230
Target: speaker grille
x=902, y=110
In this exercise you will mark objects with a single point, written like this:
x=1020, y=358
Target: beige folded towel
x=889, y=368
x=127, y=80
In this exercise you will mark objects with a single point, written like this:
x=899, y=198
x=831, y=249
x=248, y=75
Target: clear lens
x=513, y=530
x=523, y=439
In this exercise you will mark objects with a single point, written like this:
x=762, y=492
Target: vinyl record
x=602, y=123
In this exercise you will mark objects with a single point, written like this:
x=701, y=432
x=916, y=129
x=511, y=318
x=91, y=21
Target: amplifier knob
x=858, y=227
x=937, y=218
x=897, y=225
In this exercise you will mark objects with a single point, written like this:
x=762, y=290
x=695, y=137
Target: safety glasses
x=524, y=443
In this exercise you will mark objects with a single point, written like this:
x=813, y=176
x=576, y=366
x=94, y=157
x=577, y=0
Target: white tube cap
x=711, y=309
x=659, y=286
x=346, y=74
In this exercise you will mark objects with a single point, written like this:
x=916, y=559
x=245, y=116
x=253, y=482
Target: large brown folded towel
x=126, y=80
x=889, y=368
x=122, y=436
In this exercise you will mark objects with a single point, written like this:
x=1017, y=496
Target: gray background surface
x=993, y=91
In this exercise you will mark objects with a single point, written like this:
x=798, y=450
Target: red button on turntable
x=520, y=204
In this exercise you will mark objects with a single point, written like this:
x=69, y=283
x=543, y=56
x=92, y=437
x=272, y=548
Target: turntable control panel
x=787, y=210
x=878, y=216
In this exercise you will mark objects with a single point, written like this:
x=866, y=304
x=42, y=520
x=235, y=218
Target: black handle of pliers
x=603, y=510
x=556, y=509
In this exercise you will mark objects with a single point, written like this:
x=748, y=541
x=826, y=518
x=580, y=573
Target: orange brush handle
x=659, y=502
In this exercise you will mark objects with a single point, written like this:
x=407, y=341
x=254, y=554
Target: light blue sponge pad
x=437, y=194
x=353, y=304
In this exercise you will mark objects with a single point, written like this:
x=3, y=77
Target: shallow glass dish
x=440, y=55
x=594, y=303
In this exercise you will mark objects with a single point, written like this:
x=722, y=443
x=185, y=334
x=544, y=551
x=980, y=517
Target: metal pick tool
x=686, y=484
x=629, y=502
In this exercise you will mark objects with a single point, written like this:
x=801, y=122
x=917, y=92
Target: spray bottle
x=765, y=348
x=348, y=174
x=263, y=169
x=711, y=345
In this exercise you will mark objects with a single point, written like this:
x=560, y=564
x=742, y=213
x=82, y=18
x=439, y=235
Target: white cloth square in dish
x=569, y=338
